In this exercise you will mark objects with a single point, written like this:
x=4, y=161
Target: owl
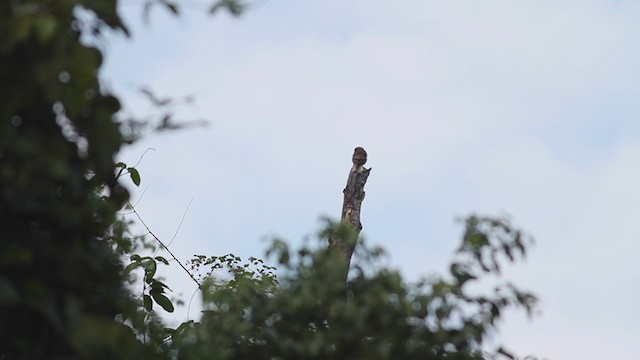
x=359, y=156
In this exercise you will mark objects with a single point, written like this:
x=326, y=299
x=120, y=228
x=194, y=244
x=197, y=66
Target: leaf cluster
x=60, y=277
x=312, y=313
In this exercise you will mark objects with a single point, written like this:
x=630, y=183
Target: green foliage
x=153, y=288
x=58, y=138
x=254, y=271
x=312, y=313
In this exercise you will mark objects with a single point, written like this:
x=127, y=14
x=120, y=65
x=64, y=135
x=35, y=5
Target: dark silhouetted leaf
x=135, y=175
x=164, y=302
x=148, y=304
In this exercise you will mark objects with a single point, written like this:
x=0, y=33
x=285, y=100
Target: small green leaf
x=162, y=260
x=172, y=7
x=234, y=7
x=164, y=302
x=131, y=266
x=506, y=353
x=507, y=250
x=148, y=304
x=156, y=284
x=156, y=291
x=150, y=268
x=183, y=329
x=135, y=175
x=183, y=326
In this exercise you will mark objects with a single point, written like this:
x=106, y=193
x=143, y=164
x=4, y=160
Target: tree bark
x=352, y=203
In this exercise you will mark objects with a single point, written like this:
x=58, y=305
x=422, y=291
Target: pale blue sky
x=526, y=108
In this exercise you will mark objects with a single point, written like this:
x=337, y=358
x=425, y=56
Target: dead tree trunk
x=353, y=196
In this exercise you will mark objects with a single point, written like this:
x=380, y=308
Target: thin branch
x=165, y=247
x=142, y=156
x=181, y=221
x=141, y=196
x=134, y=205
x=179, y=226
x=189, y=307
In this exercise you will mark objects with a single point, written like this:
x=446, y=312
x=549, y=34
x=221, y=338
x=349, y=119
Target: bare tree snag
x=353, y=196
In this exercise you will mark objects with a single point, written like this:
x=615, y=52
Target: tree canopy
x=67, y=261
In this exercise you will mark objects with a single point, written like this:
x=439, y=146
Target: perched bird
x=359, y=156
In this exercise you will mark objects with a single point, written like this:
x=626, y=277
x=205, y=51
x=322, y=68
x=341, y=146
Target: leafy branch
x=164, y=246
